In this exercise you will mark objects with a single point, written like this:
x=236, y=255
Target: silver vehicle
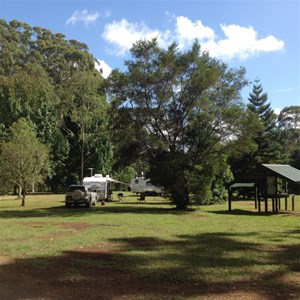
x=80, y=195
x=143, y=185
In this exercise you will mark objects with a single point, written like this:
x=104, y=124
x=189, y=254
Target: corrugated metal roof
x=286, y=171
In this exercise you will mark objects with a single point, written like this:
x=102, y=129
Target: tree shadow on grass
x=240, y=212
x=203, y=265
x=214, y=262
x=62, y=211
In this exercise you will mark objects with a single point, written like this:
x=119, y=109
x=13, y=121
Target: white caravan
x=142, y=185
x=101, y=185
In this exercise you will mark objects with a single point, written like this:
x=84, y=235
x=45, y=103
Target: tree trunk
x=20, y=192
x=23, y=197
x=82, y=155
x=16, y=190
x=180, y=196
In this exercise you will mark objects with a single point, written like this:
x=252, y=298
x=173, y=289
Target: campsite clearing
x=146, y=250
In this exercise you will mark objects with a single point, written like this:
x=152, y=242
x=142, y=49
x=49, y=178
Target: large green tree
x=269, y=138
x=185, y=108
x=29, y=94
x=85, y=122
x=22, y=44
x=37, y=70
x=23, y=159
x=289, y=124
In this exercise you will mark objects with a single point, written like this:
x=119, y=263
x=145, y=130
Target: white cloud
x=86, y=17
x=103, y=68
x=285, y=90
x=238, y=42
x=241, y=42
x=124, y=34
x=188, y=30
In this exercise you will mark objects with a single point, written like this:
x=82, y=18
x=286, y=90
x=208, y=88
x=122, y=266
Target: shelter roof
x=286, y=171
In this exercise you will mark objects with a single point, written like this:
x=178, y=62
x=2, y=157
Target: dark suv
x=80, y=195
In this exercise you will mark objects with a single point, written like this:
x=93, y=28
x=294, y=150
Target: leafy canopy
x=185, y=107
x=24, y=160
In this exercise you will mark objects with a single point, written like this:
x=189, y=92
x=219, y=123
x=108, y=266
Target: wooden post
x=256, y=197
x=293, y=202
x=229, y=199
x=285, y=198
x=285, y=202
x=266, y=203
x=277, y=198
x=259, y=210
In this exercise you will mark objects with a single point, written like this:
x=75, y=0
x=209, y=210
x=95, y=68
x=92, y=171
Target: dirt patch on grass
x=72, y=227
x=98, y=272
x=197, y=217
x=69, y=225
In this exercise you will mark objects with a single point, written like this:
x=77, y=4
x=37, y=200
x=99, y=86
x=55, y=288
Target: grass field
x=147, y=250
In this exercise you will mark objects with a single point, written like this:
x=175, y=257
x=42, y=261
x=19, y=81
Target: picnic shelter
x=269, y=181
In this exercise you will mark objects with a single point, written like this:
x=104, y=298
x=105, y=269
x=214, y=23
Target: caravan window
x=94, y=185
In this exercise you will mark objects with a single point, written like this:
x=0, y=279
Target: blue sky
x=263, y=36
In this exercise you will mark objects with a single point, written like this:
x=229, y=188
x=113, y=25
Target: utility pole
x=91, y=169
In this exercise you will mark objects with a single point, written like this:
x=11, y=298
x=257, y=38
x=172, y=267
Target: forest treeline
x=176, y=116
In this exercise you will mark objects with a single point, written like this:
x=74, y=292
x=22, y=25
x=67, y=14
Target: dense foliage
x=186, y=112
x=23, y=159
x=268, y=140
x=289, y=125
x=178, y=117
x=53, y=83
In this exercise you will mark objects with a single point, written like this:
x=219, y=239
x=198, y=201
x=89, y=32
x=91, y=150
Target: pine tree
x=269, y=147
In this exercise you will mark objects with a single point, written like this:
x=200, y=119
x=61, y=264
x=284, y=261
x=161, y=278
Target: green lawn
x=204, y=250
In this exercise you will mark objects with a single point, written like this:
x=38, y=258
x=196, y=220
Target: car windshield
x=76, y=188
